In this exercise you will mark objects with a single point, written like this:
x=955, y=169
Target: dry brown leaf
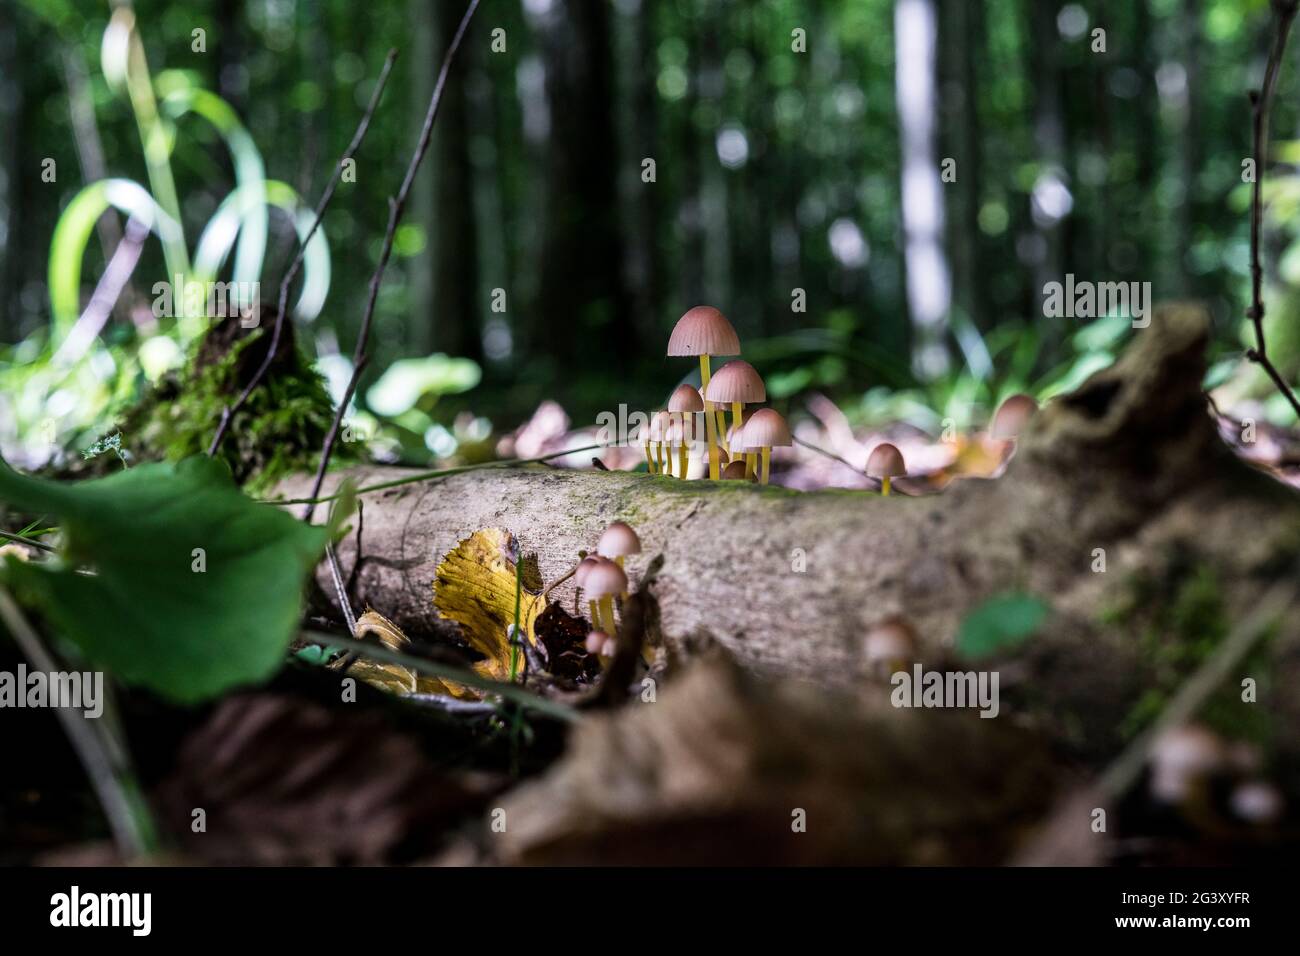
x=395, y=678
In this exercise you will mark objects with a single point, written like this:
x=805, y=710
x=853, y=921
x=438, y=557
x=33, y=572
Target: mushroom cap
x=685, y=398
x=1182, y=755
x=703, y=330
x=885, y=461
x=657, y=430
x=889, y=640
x=610, y=648
x=734, y=470
x=737, y=381
x=766, y=429
x=618, y=541
x=580, y=575
x=596, y=642
x=1011, y=416
x=1257, y=801
x=605, y=579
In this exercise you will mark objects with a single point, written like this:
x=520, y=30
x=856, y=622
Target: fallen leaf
x=395, y=678
x=476, y=586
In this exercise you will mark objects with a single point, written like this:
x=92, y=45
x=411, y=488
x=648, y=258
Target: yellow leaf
x=475, y=586
x=395, y=678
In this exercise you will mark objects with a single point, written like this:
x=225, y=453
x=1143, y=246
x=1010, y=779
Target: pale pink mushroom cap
x=737, y=381
x=766, y=429
x=685, y=398
x=703, y=331
x=605, y=579
x=1011, y=416
x=885, y=461
x=596, y=642
x=585, y=565
x=618, y=540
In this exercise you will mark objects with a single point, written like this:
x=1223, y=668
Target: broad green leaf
x=195, y=588
x=1000, y=623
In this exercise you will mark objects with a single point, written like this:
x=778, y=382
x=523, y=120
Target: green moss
x=280, y=429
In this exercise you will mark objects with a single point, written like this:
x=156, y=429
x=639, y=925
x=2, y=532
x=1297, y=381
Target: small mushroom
x=704, y=331
x=1257, y=801
x=888, y=646
x=737, y=384
x=617, y=542
x=886, y=463
x=685, y=402
x=596, y=642
x=1182, y=758
x=579, y=579
x=605, y=580
x=735, y=471
x=1011, y=416
x=660, y=423
x=765, y=430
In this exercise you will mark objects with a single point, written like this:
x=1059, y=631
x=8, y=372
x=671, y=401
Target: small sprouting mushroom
x=888, y=646
x=605, y=580
x=1256, y=801
x=737, y=384
x=886, y=463
x=704, y=331
x=617, y=542
x=735, y=471
x=1181, y=759
x=1011, y=416
x=685, y=402
x=596, y=642
x=765, y=430
x=647, y=432
x=660, y=425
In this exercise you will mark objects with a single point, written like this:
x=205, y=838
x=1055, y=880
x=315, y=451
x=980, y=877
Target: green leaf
x=406, y=381
x=999, y=623
x=158, y=611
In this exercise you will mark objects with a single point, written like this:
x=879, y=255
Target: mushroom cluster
x=733, y=452
x=602, y=578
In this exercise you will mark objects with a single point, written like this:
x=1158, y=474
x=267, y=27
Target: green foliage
x=195, y=588
x=999, y=624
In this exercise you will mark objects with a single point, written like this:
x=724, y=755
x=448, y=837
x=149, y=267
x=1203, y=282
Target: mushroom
x=618, y=541
x=886, y=463
x=888, y=646
x=704, y=331
x=660, y=424
x=604, y=581
x=1256, y=801
x=596, y=642
x=735, y=471
x=1011, y=416
x=765, y=430
x=737, y=384
x=685, y=401
x=580, y=579
x=1183, y=757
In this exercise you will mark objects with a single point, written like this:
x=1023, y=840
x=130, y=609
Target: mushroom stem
x=649, y=461
x=767, y=465
x=751, y=464
x=884, y=486
x=595, y=616
x=607, y=614
x=737, y=413
x=681, y=460
x=710, y=427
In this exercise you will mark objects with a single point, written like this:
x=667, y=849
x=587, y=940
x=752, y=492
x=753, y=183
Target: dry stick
x=1261, y=102
x=228, y=413
x=395, y=209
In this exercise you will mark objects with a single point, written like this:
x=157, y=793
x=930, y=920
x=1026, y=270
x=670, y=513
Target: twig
x=395, y=209
x=105, y=765
x=1124, y=771
x=336, y=574
x=228, y=413
x=459, y=675
x=117, y=274
x=1261, y=103
x=32, y=541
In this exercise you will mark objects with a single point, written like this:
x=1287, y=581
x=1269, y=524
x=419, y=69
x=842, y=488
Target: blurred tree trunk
x=445, y=304
x=582, y=298
x=928, y=280
x=1049, y=142
x=231, y=78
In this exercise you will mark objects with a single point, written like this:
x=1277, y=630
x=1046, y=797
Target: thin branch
x=228, y=413
x=1261, y=102
x=395, y=210
x=116, y=277
x=430, y=475
x=32, y=541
